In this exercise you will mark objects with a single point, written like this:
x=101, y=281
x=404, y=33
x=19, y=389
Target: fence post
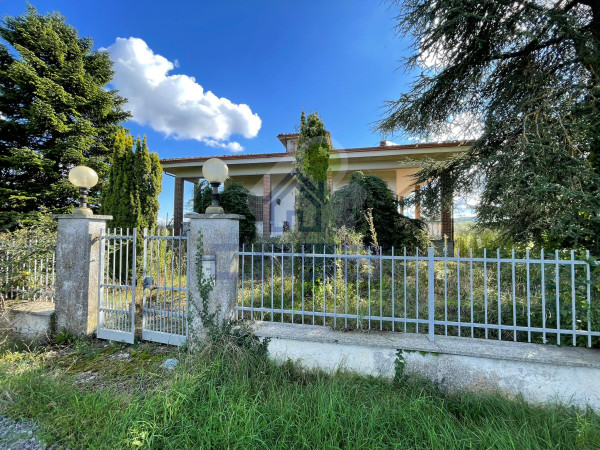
x=213, y=239
x=431, y=293
x=77, y=270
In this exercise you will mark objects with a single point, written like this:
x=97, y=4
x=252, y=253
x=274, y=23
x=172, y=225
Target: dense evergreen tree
x=352, y=203
x=529, y=72
x=55, y=113
x=134, y=182
x=313, y=207
x=234, y=200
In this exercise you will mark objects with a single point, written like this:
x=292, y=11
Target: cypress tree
x=131, y=194
x=313, y=206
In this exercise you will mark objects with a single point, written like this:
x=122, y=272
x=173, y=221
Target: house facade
x=269, y=177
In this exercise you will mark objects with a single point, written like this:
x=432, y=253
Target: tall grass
x=228, y=398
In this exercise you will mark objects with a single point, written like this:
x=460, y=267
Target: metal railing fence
x=27, y=270
x=542, y=298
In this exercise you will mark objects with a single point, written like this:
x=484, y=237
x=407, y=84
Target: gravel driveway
x=20, y=435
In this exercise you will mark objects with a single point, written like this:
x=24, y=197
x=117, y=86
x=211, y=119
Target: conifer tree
x=529, y=71
x=55, y=113
x=313, y=208
x=131, y=194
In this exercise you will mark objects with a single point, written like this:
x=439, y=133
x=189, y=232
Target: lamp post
x=84, y=178
x=215, y=172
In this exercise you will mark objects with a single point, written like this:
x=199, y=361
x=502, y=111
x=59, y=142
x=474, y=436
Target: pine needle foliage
x=528, y=71
x=55, y=113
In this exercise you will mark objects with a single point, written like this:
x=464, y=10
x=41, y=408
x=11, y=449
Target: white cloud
x=176, y=104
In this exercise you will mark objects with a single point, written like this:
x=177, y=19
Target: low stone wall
x=540, y=373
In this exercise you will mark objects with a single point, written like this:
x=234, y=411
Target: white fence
x=542, y=298
x=27, y=271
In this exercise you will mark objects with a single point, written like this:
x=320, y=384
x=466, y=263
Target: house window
x=255, y=202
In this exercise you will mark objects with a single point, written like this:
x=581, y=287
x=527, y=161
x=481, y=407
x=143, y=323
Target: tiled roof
x=344, y=150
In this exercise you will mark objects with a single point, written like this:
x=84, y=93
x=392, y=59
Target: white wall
x=282, y=189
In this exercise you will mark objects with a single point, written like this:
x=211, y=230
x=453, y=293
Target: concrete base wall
x=33, y=320
x=539, y=373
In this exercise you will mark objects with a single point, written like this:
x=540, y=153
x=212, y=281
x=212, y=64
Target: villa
x=268, y=176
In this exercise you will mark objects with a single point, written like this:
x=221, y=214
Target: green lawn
x=94, y=394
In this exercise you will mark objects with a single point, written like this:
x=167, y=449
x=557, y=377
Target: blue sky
x=337, y=57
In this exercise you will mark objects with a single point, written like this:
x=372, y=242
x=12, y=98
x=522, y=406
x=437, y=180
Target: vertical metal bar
x=126, y=272
x=405, y=289
x=557, y=298
x=485, y=291
x=357, y=287
x=369, y=284
x=144, y=274
x=282, y=281
x=499, y=296
x=303, y=285
x=543, y=268
x=471, y=290
x=252, y=282
x=514, y=295
x=573, y=313
x=446, y=291
x=380, y=291
x=528, y=296
x=262, y=281
x=113, y=305
x=431, y=293
x=335, y=288
x=324, y=287
x=292, y=277
x=241, y=313
x=272, y=281
x=417, y=288
x=458, y=288
x=345, y=286
x=313, y=284
x=120, y=317
x=163, y=312
x=100, y=282
x=589, y=297
x=172, y=316
x=178, y=327
x=133, y=280
x=393, y=296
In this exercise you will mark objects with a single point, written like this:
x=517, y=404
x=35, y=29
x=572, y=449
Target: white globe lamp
x=215, y=172
x=84, y=178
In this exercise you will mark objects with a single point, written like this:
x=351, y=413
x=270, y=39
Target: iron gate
x=164, y=293
x=117, y=286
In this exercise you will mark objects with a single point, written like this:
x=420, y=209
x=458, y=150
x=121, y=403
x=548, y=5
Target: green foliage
x=230, y=399
x=220, y=334
x=352, y=203
x=529, y=72
x=56, y=113
x=134, y=182
x=25, y=253
x=313, y=206
x=469, y=236
x=233, y=200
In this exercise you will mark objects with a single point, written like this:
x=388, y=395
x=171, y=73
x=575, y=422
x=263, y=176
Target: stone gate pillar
x=213, y=243
x=77, y=269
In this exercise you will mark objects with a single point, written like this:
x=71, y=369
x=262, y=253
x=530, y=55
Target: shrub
x=352, y=202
